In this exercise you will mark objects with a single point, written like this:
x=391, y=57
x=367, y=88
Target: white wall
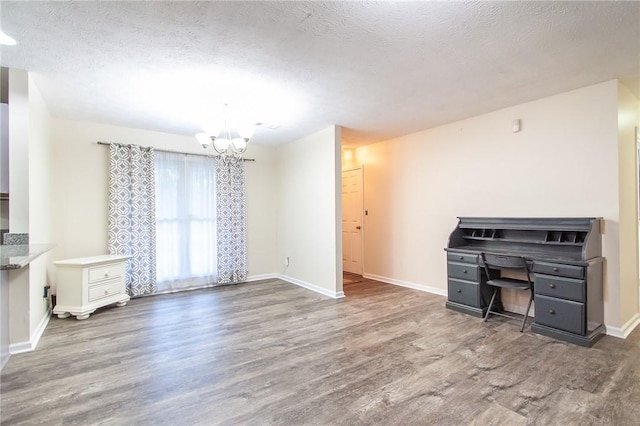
x=30, y=205
x=628, y=118
x=309, y=225
x=81, y=176
x=564, y=162
x=40, y=202
x=262, y=208
x=19, y=285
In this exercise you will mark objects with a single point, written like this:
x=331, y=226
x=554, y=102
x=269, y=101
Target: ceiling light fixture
x=6, y=40
x=227, y=139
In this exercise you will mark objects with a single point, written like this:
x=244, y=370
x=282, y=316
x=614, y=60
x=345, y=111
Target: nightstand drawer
x=105, y=272
x=559, y=269
x=463, y=271
x=562, y=314
x=106, y=289
x=462, y=258
x=463, y=292
x=565, y=288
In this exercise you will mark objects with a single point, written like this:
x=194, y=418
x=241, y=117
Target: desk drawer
x=561, y=314
x=463, y=271
x=559, y=269
x=106, y=289
x=462, y=258
x=105, y=272
x=464, y=292
x=565, y=288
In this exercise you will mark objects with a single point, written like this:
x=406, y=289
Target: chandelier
x=227, y=138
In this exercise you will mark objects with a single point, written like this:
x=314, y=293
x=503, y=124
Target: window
x=185, y=221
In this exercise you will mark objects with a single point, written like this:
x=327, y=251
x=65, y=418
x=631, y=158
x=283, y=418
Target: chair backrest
x=505, y=261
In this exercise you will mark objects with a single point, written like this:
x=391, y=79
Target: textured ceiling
x=380, y=69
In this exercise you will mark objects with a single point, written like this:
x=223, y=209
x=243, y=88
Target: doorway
x=352, y=231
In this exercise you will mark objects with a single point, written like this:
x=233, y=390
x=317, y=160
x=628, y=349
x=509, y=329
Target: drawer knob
x=464, y=271
x=106, y=290
x=459, y=291
x=106, y=274
x=552, y=312
x=461, y=257
x=555, y=269
x=552, y=286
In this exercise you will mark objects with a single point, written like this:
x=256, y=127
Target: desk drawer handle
x=106, y=290
x=555, y=269
x=106, y=274
x=552, y=312
x=461, y=257
x=552, y=286
x=464, y=271
x=459, y=291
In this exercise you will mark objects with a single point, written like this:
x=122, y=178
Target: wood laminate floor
x=273, y=353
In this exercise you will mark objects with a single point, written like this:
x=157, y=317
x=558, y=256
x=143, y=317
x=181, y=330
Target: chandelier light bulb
x=239, y=145
x=221, y=145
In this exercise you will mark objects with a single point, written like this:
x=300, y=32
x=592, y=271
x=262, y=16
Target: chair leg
x=486, y=316
x=526, y=314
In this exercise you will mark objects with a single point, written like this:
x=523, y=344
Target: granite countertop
x=19, y=255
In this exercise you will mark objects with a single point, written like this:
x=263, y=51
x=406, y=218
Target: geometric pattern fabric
x=132, y=222
x=231, y=220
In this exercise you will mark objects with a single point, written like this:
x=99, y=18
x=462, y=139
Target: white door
x=352, y=221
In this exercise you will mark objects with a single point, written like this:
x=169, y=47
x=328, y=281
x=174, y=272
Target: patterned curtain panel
x=231, y=212
x=132, y=222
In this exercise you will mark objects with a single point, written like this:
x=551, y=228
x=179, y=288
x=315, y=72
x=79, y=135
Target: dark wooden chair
x=511, y=263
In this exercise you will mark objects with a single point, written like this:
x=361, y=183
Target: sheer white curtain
x=186, y=252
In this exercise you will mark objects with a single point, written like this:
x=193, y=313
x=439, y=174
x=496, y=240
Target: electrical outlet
x=286, y=261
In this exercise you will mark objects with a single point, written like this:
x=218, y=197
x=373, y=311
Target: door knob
x=357, y=227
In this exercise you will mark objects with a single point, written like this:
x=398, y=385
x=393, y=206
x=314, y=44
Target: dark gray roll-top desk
x=565, y=255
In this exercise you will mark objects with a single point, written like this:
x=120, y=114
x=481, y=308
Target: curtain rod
x=178, y=152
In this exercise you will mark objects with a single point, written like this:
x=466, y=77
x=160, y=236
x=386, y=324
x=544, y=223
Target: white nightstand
x=87, y=283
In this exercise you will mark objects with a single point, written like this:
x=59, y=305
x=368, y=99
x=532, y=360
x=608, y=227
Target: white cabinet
x=88, y=283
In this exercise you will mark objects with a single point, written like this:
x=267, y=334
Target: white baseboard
x=21, y=347
x=414, y=286
x=312, y=287
x=261, y=277
x=626, y=329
